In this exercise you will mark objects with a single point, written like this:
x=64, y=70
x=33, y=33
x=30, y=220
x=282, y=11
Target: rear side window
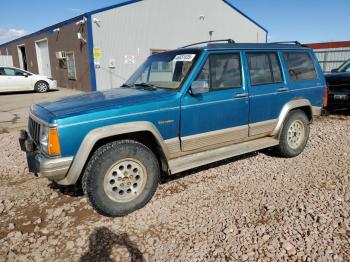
x=264, y=68
x=300, y=66
x=9, y=72
x=222, y=72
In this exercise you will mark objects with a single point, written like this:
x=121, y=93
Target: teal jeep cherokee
x=181, y=109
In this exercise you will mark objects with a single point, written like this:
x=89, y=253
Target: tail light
x=325, y=98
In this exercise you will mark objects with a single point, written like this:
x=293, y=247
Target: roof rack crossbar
x=288, y=42
x=230, y=41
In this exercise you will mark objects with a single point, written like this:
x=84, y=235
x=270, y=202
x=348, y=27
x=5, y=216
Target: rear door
x=268, y=91
x=304, y=75
x=221, y=115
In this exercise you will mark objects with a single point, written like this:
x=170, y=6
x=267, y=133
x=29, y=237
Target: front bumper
x=53, y=85
x=53, y=168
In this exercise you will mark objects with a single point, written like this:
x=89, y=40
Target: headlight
x=44, y=137
x=49, y=140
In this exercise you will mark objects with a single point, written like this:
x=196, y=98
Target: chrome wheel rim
x=42, y=87
x=125, y=180
x=296, y=134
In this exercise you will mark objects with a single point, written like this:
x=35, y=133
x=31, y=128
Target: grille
x=34, y=130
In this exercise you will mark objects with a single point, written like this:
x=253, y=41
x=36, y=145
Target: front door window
x=222, y=72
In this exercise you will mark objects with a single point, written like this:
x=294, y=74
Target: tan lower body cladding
x=214, y=139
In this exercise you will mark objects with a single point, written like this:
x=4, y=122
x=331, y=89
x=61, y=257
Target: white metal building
x=6, y=60
x=100, y=49
x=124, y=37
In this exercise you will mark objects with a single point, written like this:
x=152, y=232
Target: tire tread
x=96, y=159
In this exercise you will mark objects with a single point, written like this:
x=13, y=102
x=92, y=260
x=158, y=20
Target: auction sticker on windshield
x=184, y=58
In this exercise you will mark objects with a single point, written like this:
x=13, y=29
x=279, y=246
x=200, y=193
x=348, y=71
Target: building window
x=264, y=68
x=160, y=66
x=72, y=74
x=157, y=51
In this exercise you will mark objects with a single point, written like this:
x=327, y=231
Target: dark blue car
x=338, y=83
x=181, y=109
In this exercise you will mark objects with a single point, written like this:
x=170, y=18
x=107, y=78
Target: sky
x=307, y=21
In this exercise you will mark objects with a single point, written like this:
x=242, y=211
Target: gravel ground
x=250, y=208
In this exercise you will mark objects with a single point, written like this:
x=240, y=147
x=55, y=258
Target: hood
x=337, y=75
x=94, y=101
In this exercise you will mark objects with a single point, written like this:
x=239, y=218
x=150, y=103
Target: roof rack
x=229, y=41
x=288, y=42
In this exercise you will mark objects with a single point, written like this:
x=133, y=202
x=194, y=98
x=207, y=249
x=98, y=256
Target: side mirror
x=25, y=75
x=199, y=87
x=334, y=70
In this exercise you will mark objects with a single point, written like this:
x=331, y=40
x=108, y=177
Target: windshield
x=164, y=70
x=345, y=67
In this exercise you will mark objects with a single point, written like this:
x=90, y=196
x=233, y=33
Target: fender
x=97, y=134
x=293, y=104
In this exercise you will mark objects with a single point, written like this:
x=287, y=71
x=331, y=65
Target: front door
x=221, y=115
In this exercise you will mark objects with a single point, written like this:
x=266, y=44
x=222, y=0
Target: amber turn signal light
x=54, y=147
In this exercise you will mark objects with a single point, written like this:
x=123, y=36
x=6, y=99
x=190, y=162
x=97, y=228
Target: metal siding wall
x=134, y=29
x=332, y=58
x=6, y=60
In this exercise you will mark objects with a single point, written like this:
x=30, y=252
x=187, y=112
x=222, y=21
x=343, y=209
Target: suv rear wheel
x=294, y=135
x=121, y=177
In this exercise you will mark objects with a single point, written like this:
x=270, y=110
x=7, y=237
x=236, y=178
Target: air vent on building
x=61, y=55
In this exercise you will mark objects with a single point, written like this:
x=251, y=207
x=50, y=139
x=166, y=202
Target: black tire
x=109, y=158
x=41, y=87
x=287, y=147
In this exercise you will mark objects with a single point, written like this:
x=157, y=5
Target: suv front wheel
x=294, y=135
x=121, y=177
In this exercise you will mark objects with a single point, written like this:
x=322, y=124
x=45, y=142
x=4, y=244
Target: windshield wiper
x=146, y=86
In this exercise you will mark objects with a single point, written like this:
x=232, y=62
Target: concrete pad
x=14, y=107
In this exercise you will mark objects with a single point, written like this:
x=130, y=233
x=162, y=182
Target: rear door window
x=9, y=71
x=300, y=66
x=264, y=68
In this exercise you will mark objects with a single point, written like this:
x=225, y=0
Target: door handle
x=283, y=89
x=241, y=95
